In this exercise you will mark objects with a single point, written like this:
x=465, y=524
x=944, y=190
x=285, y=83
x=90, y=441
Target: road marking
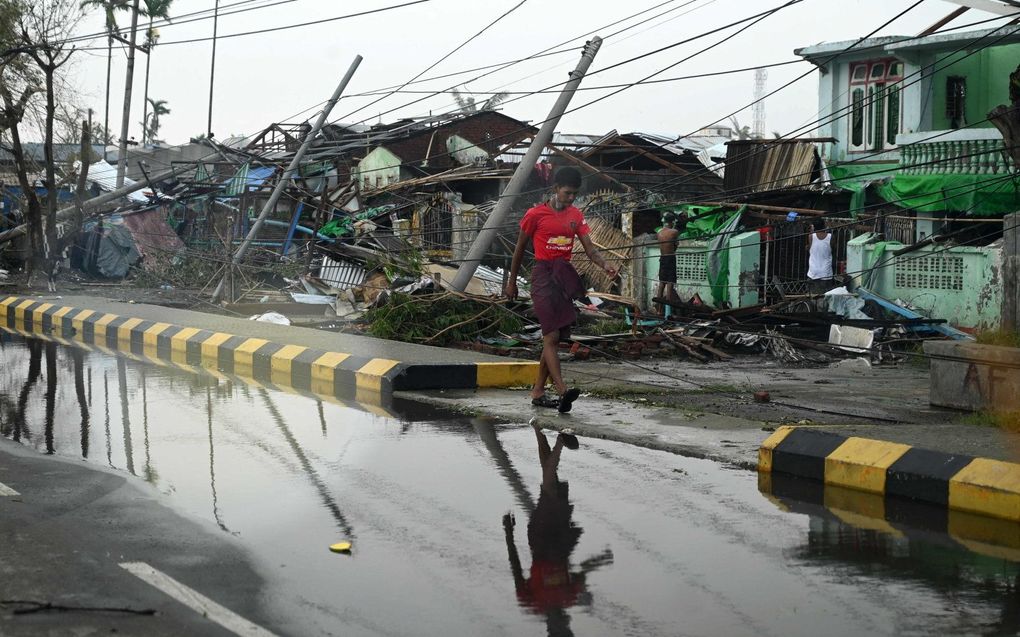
x=195, y=600
x=6, y=490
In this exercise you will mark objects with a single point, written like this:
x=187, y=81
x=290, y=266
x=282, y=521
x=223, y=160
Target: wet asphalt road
x=251, y=486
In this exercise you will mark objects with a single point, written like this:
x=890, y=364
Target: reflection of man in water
x=552, y=536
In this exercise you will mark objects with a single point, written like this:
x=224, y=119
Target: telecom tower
x=758, y=110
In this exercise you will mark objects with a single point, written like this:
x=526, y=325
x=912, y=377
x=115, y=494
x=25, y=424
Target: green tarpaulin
x=703, y=221
x=978, y=195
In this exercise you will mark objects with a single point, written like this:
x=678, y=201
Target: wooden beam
x=956, y=13
x=659, y=160
x=580, y=162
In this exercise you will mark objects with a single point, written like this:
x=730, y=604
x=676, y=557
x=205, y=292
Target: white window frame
x=882, y=77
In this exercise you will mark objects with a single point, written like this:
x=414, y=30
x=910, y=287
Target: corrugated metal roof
x=62, y=152
x=104, y=175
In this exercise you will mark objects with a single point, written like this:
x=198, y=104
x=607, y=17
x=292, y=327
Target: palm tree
x=151, y=125
x=741, y=132
x=469, y=105
x=153, y=9
x=110, y=9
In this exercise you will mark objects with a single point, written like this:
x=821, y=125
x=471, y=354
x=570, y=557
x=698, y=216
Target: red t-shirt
x=550, y=586
x=552, y=231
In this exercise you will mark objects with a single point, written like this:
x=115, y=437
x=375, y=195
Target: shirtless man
x=667, y=237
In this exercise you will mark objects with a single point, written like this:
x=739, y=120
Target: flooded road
x=463, y=526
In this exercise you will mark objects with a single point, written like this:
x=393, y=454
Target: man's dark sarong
x=667, y=268
x=554, y=286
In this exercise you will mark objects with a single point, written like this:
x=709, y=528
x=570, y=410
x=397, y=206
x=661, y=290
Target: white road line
x=195, y=600
x=6, y=490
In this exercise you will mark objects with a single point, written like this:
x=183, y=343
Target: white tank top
x=820, y=257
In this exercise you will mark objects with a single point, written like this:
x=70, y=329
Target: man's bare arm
x=515, y=266
x=596, y=256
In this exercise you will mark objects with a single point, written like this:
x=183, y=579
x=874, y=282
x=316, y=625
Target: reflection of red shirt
x=552, y=231
x=549, y=587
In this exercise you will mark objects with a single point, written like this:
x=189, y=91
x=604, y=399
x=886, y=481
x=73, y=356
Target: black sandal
x=567, y=399
x=545, y=401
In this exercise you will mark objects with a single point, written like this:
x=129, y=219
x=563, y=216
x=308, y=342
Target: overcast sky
x=286, y=74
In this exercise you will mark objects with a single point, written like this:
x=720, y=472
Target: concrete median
x=305, y=359
x=959, y=482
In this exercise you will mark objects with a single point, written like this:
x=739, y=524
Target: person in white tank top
x=819, y=257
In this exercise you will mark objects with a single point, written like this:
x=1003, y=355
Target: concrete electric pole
x=495, y=221
x=281, y=185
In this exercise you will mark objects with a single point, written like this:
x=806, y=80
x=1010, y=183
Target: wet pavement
x=612, y=539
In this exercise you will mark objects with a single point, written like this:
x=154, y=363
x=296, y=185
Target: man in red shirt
x=551, y=228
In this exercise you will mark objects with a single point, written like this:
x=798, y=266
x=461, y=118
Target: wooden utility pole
x=281, y=185
x=495, y=221
x=125, y=121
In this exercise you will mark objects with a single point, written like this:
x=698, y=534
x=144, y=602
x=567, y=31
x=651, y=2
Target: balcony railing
x=977, y=151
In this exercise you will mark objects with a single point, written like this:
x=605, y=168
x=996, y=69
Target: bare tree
x=45, y=27
x=35, y=51
x=19, y=86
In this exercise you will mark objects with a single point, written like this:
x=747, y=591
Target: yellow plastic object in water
x=340, y=547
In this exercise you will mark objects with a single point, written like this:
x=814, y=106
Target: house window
x=875, y=107
x=956, y=101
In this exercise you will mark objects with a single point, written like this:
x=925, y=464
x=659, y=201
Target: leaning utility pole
x=495, y=221
x=125, y=122
x=285, y=179
x=212, y=69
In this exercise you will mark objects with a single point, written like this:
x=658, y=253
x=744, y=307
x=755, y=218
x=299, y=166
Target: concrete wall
x=974, y=377
x=743, y=253
x=962, y=285
x=987, y=75
x=745, y=268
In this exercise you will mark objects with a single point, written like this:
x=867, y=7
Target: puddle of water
x=621, y=540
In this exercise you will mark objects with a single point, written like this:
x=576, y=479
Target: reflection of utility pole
x=150, y=473
x=125, y=418
x=487, y=433
x=212, y=461
x=79, y=392
x=51, y=393
x=324, y=493
x=106, y=403
x=322, y=418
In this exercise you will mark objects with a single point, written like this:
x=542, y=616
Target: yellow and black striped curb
x=303, y=368
x=959, y=482
x=896, y=517
x=377, y=404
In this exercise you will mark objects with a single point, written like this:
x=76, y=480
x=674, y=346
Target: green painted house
x=912, y=111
